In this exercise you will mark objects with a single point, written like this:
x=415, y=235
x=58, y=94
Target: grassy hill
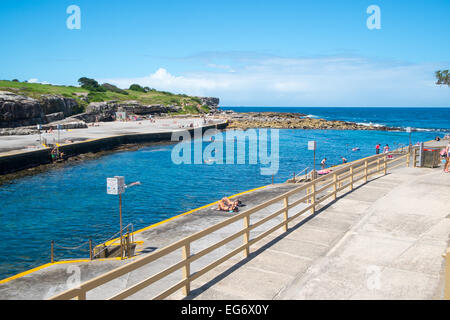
x=35, y=90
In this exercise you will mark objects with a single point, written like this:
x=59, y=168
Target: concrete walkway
x=384, y=240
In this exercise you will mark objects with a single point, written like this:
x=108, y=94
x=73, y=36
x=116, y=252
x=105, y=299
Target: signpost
x=39, y=127
x=312, y=145
x=408, y=129
x=117, y=186
x=58, y=126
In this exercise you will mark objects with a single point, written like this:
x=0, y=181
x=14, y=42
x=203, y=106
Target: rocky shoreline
x=286, y=120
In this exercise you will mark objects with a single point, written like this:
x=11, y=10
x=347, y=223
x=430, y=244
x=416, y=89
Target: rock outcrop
x=18, y=111
x=211, y=102
x=281, y=120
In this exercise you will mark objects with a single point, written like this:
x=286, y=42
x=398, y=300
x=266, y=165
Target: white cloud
x=320, y=81
x=34, y=80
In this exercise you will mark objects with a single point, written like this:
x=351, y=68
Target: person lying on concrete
x=226, y=204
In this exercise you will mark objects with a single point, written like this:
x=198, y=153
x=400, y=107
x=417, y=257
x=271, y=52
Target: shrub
x=96, y=96
x=136, y=87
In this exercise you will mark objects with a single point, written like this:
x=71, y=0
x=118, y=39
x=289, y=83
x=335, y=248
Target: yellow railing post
x=313, y=198
x=414, y=157
x=285, y=214
x=187, y=268
x=246, y=235
x=335, y=186
x=366, y=168
x=351, y=178
x=407, y=159
x=385, y=164
x=82, y=295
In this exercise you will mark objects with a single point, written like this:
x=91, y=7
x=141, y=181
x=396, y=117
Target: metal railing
x=337, y=180
x=128, y=239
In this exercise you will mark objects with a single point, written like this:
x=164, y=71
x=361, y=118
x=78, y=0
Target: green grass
x=35, y=90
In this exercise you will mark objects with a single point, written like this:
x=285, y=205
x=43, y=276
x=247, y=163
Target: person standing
x=344, y=160
x=377, y=148
x=386, y=149
x=323, y=163
x=447, y=157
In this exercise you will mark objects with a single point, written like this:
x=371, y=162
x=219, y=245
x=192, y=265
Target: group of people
x=56, y=154
x=385, y=148
x=226, y=204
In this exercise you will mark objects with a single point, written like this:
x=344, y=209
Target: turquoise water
x=69, y=205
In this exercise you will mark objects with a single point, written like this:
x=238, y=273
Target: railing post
x=378, y=165
x=186, y=268
x=246, y=235
x=366, y=166
x=351, y=178
x=127, y=242
x=414, y=157
x=81, y=295
x=313, y=199
x=285, y=214
x=52, y=251
x=335, y=186
x=407, y=159
x=90, y=249
x=385, y=164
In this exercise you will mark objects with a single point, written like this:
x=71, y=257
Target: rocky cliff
x=17, y=110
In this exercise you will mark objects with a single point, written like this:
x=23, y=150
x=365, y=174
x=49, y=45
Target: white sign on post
x=312, y=145
x=115, y=185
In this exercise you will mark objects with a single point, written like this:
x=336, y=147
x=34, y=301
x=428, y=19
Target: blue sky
x=273, y=53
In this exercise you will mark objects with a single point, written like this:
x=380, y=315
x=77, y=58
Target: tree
x=442, y=77
x=90, y=84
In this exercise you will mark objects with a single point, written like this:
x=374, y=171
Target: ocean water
x=69, y=204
